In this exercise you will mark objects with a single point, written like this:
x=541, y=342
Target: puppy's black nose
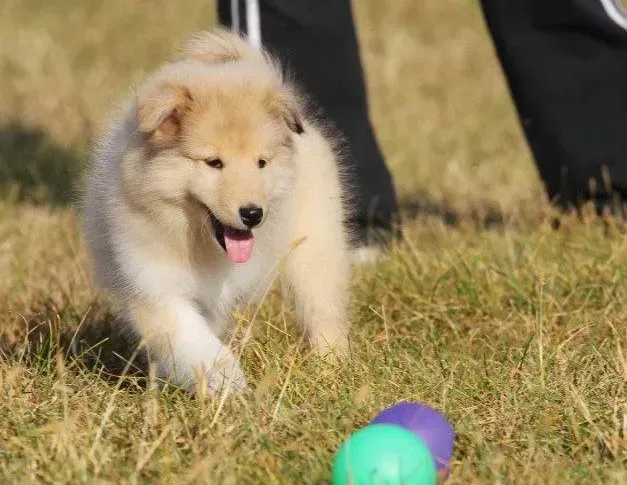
x=251, y=215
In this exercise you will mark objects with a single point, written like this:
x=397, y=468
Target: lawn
x=515, y=330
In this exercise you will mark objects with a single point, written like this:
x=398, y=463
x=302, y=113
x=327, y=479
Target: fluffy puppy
x=211, y=176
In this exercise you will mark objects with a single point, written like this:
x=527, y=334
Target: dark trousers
x=565, y=62
x=566, y=66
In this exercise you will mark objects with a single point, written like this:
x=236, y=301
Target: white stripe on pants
x=253, y=21
x=617, y=11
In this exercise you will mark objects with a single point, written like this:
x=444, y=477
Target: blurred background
x=438, y=101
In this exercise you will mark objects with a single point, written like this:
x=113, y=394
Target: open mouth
x=238, y=243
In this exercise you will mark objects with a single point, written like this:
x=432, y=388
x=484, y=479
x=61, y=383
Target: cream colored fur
x=149, y=188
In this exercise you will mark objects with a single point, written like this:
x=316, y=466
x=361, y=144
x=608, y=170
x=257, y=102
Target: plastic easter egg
x=384, y=454
x=426, y=423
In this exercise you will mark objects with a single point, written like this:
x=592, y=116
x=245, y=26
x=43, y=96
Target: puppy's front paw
x=332, y=346
x=223, y=374
x=226, y=375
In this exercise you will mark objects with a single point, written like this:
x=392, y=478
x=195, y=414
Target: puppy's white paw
x=223, y=374
x=332, y=345
x=198, y=360
x=226, y=375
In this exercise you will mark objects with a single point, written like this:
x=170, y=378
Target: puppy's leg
x=317, y=271
x=184, y=347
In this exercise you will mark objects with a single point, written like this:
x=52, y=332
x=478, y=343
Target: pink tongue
x=239, y=245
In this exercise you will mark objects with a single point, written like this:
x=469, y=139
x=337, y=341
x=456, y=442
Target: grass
x=516, y=331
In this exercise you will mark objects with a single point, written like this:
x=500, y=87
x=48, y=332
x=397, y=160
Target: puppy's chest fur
x=212, y=282
x=218, y=289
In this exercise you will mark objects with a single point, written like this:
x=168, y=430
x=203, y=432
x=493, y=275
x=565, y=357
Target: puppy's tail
x=219, y=46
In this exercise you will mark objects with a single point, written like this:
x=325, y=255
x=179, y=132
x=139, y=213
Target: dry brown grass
x=517, y=332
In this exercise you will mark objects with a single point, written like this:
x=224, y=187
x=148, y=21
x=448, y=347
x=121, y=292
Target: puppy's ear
x=293, y=120
x=284, y=105
x=160, y=112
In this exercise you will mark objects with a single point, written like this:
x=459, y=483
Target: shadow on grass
x=34, y=168
x=485, y=217
x=92, y=342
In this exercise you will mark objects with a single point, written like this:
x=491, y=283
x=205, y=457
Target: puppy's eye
x=262, y=163
x=215, y=163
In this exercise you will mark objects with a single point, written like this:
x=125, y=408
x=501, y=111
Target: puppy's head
x=221, y=139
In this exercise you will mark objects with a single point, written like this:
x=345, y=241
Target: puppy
x=213, y=176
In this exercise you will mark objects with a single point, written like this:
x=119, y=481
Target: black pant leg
x=566, y=65
x=317, y=41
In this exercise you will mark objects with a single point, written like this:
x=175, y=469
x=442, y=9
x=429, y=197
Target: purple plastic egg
x=431, y=426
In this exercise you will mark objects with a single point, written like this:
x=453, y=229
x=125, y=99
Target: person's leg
x=566, y=65
x=317, y=41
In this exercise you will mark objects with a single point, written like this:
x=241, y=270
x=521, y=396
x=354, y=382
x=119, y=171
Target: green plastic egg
x=384, y=454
